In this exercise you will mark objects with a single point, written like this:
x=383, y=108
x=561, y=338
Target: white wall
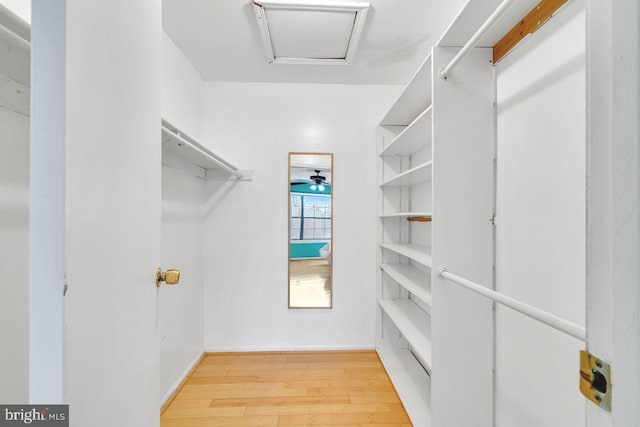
x=22, y=8
x=245, y=235
x=181, y=306
x=541, y=222
x=14, y=221
x=182, y=90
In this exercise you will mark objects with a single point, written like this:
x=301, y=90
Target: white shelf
x=415, y=175
x=404, y=214
x=414, y=324
x=417, y=253
x=413, y=280
x=474, y=13
x=412, y=383
x=415, y=98
x=188, y=150
x=413, y=138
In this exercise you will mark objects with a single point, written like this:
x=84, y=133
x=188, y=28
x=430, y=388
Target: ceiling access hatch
x=310, y=32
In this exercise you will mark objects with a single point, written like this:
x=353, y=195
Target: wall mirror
x=310, y=230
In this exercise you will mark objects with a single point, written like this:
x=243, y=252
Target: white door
x=97, y=71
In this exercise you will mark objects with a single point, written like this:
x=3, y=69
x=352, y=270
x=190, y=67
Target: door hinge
x=493, y=220
x=595, y=380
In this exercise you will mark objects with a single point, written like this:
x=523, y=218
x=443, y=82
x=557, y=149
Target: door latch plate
x=595, y=380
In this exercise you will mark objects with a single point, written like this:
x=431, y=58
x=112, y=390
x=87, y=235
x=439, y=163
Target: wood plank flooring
x=343, y=388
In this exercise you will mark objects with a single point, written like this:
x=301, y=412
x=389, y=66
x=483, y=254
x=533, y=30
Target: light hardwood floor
x=345, y=388
x=309, y=283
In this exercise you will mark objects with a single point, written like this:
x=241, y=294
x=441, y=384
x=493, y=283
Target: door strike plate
x=595, y=380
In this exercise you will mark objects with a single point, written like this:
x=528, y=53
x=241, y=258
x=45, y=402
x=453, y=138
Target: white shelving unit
x=436, y=150
x=404, y=281
x=475, y=13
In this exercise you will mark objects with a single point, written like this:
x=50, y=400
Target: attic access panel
x=310, y=32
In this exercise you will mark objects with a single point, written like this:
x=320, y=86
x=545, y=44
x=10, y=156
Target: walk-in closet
x=320, y=212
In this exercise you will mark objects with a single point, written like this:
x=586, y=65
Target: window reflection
x=310, y=224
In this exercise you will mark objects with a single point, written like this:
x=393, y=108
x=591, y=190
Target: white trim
x=359, y=8
x=181, y=378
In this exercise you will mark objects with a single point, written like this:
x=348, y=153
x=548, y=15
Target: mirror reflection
x=310, y=224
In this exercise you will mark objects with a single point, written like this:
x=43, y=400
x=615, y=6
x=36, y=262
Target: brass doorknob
x=170, y=277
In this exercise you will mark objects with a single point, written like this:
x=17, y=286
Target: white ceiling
x=222, y=41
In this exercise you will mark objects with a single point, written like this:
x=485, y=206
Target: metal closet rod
x=186, y=139
x=535, y=313
x=473, y=41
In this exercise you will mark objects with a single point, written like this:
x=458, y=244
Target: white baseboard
x=181, y=378
x=266, y=349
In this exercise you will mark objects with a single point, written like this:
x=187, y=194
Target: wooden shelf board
x=415, y=98
x=417, y=253
x=529, y=24
x=411, y=381
x=413, y=323
x=415, y=137
x=405, y=214
x=413, y=176
x=413, y=280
